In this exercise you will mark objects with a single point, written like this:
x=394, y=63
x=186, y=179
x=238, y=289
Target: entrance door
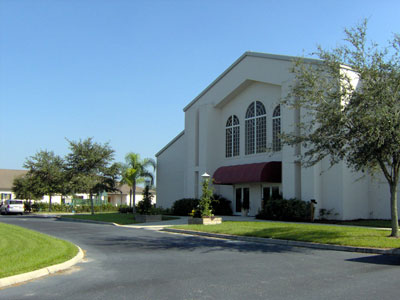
x=246, y=198
x=266, y=195
x=242, y=199
x=238, y=200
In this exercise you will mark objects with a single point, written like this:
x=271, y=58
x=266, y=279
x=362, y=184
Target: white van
x=12, y=206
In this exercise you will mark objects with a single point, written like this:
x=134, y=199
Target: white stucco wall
x=264, y=78
x=170, y=173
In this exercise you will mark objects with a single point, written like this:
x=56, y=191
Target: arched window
x=255, y=128
x=276, y=129
x=232, y=140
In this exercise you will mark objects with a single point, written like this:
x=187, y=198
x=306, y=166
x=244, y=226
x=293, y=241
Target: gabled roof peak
x=243, y=56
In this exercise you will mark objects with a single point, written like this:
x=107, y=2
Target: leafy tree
x=45, y=176
x=24, y=187
x=90, y=169
x=351, y=102
x=135, y=171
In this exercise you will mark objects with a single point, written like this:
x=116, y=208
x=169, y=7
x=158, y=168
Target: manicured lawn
x=325, y=234
x=369, y=223
x=23, y=250
x=122, y=219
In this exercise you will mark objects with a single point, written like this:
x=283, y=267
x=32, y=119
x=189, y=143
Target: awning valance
x=258, y=172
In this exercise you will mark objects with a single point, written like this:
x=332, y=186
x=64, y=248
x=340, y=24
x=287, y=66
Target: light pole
x=205, y=176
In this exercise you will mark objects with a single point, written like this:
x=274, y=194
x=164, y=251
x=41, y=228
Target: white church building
x=232, y=132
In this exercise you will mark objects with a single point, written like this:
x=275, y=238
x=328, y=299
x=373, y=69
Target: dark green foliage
x=125, y=209
x=90, y=169
x=43, y=206
x=145, y=207
x=350, y=101
x=221, y=206
x=28, y=206
x=285, y=210
x=204, y=208
x=135, y=171
x=25, y=187
x=45, y=176
x=184, y=207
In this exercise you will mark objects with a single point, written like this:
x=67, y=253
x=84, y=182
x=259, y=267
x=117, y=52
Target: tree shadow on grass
x=295, y=234
x=381, y=259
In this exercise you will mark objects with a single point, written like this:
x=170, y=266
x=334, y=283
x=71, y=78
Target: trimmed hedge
x=55, y=207
x=219, y=204
x=183, y=207
x=285, y=210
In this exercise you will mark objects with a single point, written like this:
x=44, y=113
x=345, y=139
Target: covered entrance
x=251, y=183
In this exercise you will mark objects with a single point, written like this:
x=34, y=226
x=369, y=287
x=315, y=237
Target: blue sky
x=121, y=71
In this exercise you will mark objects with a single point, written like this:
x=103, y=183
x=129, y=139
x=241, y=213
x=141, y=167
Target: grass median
x=122, y=219
x=324, y=234
x=23, y=250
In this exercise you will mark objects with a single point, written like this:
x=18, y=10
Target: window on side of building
x=276, y=129
x=255, y=128
x=232, y=137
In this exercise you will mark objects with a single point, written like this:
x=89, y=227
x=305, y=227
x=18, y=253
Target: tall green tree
x=45, y=175
x=24, y=187
x=350, y=104
x=135, y=171
x=90, y=168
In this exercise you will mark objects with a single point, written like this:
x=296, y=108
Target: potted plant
x=202, y=214
x=146, y=210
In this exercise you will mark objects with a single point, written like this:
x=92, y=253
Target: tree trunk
x=134, y=196
x=130, y=197
x=49, y=203
x=393, y=208
x=91, y=203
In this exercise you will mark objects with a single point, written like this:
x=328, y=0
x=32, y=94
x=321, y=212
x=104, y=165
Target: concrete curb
x=394, y=251
x=7, y=281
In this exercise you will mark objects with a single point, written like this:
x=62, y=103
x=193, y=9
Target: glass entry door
x=238, y=200
x=242, y=198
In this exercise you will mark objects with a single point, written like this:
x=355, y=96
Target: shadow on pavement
x=392, y=260
x=189, y=243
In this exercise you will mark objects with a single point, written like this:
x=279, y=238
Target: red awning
x=259, y=172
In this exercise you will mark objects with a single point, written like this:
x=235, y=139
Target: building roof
x=7, y=177
x=170, y=143
x=125, y=189
x=252, y=54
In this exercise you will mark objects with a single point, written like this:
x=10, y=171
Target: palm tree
x=135, y=171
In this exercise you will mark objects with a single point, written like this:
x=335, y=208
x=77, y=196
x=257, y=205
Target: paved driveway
x=127, y=263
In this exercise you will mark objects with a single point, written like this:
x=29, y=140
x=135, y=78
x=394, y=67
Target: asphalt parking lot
x=127, y=263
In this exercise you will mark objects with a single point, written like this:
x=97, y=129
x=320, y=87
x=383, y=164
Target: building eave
x=252, y=54
x=170, y=143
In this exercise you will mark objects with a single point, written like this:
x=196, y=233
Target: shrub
x=183, y=207
x=145, y=207
x=221, y=205
x=125, y=209
x=285, y=210
x=40, y=206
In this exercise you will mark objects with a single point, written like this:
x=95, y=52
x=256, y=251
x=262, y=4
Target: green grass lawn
x=368, y=223
x=23, y=250
x=122, y=219
x=325, y=234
